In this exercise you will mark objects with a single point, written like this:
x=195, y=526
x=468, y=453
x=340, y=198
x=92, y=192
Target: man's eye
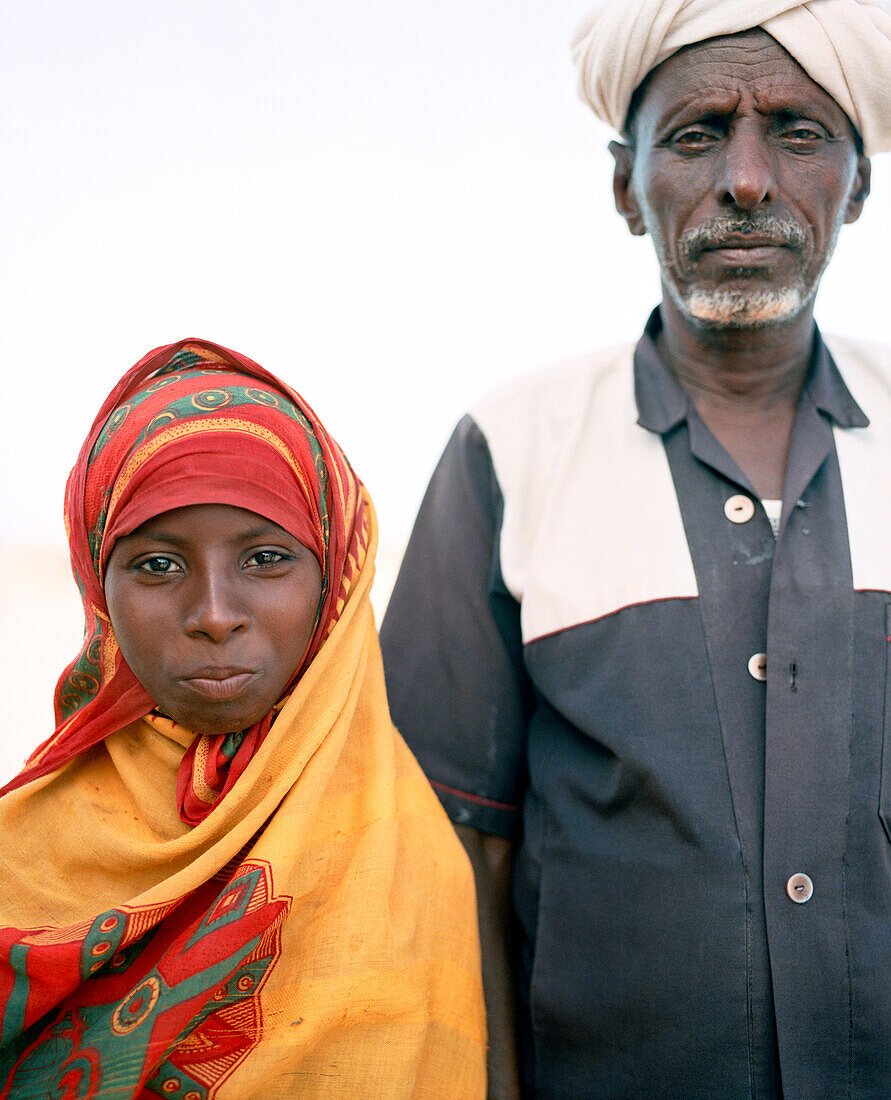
x=693, y=137
x=803, y=133
x=158, y=565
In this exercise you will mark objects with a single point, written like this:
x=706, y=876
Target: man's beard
x=721, y=309
x=716, y=308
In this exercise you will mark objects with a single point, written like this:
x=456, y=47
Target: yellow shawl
x=314, y=936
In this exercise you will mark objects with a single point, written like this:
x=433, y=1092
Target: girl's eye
x=158, y=565
x=266, y=558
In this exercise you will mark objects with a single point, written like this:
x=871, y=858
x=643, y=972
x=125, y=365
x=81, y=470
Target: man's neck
x=741, y=370
x=745, y=385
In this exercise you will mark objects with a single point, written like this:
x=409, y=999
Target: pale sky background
x=394, y=205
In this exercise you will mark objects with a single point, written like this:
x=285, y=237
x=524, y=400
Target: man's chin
x=741, y=309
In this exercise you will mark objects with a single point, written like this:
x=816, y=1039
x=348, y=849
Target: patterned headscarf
x=843, y=45
x=194, y=423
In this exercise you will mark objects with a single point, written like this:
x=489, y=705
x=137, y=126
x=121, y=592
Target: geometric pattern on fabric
x=231, y=905
x=156, y=1017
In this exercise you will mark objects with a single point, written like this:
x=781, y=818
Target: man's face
x=743, y=171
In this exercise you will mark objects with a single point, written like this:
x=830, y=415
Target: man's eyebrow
x=695, y=109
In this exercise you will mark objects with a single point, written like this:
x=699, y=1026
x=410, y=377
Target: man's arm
x=491, y=858
x=459, y=694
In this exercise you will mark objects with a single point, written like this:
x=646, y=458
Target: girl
x=224, y=875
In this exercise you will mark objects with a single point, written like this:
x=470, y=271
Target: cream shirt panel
x=591, y=519
x=864, y=456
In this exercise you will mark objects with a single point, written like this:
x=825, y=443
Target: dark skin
x=213, y=608
x=734, y=127
x=492, y=858
x=728, y=128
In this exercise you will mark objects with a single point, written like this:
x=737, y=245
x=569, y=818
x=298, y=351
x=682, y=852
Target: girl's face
x=213, y=608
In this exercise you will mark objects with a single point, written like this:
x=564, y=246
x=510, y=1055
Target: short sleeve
x=452, y=647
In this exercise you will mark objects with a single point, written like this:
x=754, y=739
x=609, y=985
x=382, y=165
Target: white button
x=758, y=666
x=739, y=509
x=800, y=888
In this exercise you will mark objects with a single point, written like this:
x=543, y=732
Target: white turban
x=843, y=45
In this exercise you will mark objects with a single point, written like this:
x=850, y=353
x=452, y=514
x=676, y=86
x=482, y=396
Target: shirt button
x=800, y=888
x=739, y=509
x=758, y=666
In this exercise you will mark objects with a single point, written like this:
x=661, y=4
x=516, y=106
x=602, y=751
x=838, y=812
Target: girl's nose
x=214, y=609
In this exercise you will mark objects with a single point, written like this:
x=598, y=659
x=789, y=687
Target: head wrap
x=282, y=911
x=194, y=423
x=843, y=45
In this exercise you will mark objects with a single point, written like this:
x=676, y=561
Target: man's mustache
x=727, y=232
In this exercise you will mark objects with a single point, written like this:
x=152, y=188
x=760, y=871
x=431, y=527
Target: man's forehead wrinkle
x=749, y=43
x=747, y=56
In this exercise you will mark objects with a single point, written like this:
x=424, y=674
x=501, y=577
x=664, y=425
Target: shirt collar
x=828, y=391
x=662, y=403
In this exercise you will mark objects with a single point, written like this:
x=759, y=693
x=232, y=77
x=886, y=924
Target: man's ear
x=860, y=190
x=623, y=192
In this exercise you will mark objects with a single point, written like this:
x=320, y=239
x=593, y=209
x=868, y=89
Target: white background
x=394, y=205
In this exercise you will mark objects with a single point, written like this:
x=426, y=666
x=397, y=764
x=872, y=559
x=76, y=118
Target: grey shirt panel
x=868, y=859
x=452, y=630
x=629, y=886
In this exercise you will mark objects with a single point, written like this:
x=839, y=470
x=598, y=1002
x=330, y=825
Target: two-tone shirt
x=598, y=646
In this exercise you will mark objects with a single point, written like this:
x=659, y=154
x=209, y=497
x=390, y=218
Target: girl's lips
x=219, y=688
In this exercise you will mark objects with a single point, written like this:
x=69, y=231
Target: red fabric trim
x=609, y=615
x=473, y=797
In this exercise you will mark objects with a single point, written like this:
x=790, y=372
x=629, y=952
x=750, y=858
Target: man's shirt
x=597, y=646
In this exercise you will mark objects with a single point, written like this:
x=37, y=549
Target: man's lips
x=218, y=683
x=746, y=251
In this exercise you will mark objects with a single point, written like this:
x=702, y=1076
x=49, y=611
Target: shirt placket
x=732, y=545
x=808, y=684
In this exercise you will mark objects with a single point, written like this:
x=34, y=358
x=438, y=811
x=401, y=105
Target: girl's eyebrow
x=154, y=536
x=265, y=532
x=160, y=535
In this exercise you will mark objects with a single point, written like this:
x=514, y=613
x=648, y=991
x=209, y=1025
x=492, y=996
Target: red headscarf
x=194, y=423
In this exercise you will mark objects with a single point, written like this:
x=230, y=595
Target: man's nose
x=747, y=177
x=214, y=609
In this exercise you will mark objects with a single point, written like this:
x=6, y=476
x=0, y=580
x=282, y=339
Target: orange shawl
x=313, y=935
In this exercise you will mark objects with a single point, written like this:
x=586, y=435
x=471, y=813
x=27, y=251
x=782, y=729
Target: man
x=640, y=637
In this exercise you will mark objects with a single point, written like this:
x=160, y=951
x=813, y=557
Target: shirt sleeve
x=452, y=646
